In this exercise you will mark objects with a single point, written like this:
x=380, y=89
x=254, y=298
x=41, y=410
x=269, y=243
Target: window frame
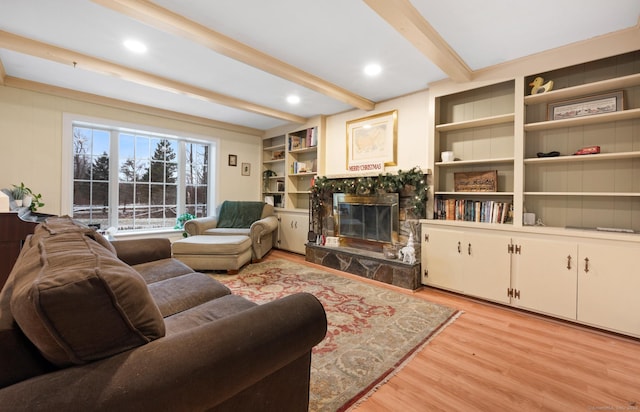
x=115, y=127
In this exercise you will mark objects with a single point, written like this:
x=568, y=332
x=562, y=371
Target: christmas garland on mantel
x=323, y=187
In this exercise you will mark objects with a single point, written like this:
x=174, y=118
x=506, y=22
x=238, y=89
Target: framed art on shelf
x=586, y=106
x=373, y=139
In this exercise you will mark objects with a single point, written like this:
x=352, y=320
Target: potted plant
x=36, y=201
x=25, y=197
x=265, y=178
x=18, y=193
x=181, y=220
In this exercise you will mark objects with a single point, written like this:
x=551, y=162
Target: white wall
x=31, y=144
x=412, y=134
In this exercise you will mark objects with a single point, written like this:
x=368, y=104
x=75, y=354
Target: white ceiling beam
x=81, y=61
x=403, y=17
x=168, y=21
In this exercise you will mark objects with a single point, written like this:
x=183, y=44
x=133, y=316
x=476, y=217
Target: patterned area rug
x=372, y=330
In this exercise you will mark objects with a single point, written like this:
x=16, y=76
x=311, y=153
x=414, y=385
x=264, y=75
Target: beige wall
x=412, y=134
x=31, y=144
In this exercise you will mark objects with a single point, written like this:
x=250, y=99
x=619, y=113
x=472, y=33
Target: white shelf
x=467, y=194
x=585, y=194
x=272, y=148
x=304, y=150
x=584, y=89
x=583, y=158
x=459, y=163
x=584, y=120
x=273, y=161
x=468, y=124
x=302, y=174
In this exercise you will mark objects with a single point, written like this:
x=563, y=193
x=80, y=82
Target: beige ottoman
x=213, y=252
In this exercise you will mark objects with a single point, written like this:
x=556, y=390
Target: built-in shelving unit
x=478, y=127
x=273, y=159
x=589, y=191
x=302, y=166
x=576, y=260
x=295, y=156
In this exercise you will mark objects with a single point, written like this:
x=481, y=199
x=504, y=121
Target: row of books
x=303, y=167
x=310, y=139
x=486, y=211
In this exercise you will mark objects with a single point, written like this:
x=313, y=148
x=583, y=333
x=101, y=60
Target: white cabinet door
x=293, y=230
x=544, y=276
x=442, y=258
x=487, y=265
x=608, y=287
x=473, y=263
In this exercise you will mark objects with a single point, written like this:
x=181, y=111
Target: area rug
x=372, y=330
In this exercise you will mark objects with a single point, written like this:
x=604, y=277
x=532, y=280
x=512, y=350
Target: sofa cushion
x=76, y=301
x=207, y=313
x=162, y=269
x=20, y=360
x=216, y=231
x=180, y=293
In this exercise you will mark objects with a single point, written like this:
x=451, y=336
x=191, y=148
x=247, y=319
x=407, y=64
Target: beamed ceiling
x=233, y=63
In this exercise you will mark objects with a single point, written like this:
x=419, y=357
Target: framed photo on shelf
x=279, y=186
x=586, y=106
x=233, y=160
x=246, y=169
x=372, y=140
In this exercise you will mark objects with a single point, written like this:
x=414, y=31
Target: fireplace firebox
x=366, y=221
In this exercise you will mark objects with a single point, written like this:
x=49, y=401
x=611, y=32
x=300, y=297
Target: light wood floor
x=493, y=358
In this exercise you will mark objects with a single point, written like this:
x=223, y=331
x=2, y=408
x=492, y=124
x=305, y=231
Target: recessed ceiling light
x=293, y=99
x=135, y=46
x=373, y=69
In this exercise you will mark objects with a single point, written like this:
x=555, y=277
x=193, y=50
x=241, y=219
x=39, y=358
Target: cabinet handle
x=459, y=247
x=469, y=249
x=586, y=265
x=569, y=262
x=296, y=224
x=291, y=224
x=426, y=237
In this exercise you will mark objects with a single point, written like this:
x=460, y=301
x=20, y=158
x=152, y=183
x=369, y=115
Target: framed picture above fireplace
x=372, y=141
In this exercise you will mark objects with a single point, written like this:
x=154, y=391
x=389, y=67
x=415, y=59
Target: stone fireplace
x=366, y=221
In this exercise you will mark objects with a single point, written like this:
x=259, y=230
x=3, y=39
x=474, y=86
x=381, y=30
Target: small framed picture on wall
x=233, y=160
x=246, y=169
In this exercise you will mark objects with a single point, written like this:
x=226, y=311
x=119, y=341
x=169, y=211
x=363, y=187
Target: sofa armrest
x=198, y=226
x=193, y=370
x=136, y=251
x=263, y=227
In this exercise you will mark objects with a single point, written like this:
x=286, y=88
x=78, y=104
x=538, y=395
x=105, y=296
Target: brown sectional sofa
x=90, y=325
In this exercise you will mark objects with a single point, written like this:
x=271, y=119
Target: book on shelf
x=308, y=138
x=486, y=211
x=299, y=167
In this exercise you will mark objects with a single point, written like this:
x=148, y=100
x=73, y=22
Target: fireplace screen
x=371, y=218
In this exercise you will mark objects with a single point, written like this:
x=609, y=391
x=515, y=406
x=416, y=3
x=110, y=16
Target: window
x=135, y=180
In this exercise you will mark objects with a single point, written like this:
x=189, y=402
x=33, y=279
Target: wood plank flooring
x=494, y=358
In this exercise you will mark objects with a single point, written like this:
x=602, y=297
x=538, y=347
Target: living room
x=35, y=118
